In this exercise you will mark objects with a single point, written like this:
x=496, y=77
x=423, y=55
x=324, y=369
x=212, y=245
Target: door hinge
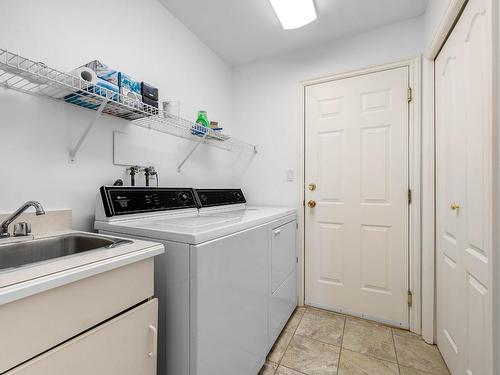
x=409, y=196
x=410, y=298
x=296, y=259
x=410, y=94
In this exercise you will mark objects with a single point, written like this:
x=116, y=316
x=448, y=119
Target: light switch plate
x=290, y=175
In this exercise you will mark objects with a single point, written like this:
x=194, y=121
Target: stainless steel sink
x=18, y=254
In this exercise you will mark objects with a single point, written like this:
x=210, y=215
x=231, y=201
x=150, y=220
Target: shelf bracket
x=74, y=151
x=179, y=167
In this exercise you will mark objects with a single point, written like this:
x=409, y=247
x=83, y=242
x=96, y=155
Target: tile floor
x=319, y=342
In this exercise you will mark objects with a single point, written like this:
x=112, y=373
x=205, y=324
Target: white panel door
x=463, y=197
x=357, y=234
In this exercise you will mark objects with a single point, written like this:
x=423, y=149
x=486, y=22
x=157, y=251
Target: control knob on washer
x=183, y=197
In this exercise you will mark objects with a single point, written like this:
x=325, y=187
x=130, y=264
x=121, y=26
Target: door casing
x=414, y=123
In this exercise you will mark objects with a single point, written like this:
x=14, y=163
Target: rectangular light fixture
x=294, y=13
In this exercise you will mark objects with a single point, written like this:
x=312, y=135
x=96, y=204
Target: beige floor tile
x=287, y=371
x=311, y=357
x=415, y=353
x=411, y=371
x=352, y=363
x=279, y=347
x=312, y=308
x=322, y=325
x=372, y=339
x=404, y=332
x=294, y=320
x=269, y=368
x=317, y=309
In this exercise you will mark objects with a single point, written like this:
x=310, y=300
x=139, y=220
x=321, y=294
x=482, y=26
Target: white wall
x=138, y=37
x=266, y=103
x=434, y=13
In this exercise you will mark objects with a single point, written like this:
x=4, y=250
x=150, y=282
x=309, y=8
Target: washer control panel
x=219, y=197
x=122, y=200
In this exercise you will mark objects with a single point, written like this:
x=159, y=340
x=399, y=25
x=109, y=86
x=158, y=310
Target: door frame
x=415, y=139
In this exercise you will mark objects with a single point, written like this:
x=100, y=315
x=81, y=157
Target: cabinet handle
x=277, y=232
x=155, y=341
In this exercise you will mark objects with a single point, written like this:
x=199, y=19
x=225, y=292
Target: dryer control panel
x=219, y=197
x=123, y=200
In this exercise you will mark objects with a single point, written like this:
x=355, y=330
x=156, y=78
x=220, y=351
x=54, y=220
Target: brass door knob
x=311, y=204
x=454, y=206
x=311, y=187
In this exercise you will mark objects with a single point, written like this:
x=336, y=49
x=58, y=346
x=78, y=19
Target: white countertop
x=35, y=278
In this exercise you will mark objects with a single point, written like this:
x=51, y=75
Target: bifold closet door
x=463, y=84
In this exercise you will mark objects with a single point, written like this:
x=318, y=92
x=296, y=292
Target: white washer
x=227, y=282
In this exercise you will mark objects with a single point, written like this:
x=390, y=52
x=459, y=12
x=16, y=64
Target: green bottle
x=202, y=119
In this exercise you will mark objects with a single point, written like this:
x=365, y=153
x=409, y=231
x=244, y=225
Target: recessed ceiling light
x=294, y=13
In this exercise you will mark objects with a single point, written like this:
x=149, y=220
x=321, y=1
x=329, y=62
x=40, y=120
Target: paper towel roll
x=58, y=91
x=85, y=73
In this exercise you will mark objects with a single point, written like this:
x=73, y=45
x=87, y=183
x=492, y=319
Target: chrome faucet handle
x=4, y=227
x=22, y=229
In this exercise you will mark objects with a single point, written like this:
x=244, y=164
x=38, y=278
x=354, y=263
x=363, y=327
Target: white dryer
x=227, y=282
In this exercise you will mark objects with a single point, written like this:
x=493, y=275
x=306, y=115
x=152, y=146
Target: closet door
x=463, y=84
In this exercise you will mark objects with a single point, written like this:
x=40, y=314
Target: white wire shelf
x=35, y=78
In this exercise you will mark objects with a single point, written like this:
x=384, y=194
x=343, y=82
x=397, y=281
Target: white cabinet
x=283, y=285
x=33, y=325
x=126, y=345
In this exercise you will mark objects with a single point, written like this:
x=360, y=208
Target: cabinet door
x=283, y=253
x=125, y=345
x=69, y=310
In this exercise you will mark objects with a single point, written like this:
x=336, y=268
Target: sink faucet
x=4, y=227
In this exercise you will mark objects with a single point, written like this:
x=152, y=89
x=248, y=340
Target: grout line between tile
x=277, y=366
x=293, y=334
x=368, y=354
x=297, y=371
x=284, y=330
x=322, y=342
x=395, y=350
x=341, y=344
x=372, y=356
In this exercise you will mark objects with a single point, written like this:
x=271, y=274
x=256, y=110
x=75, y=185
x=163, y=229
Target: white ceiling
x=241, y=31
